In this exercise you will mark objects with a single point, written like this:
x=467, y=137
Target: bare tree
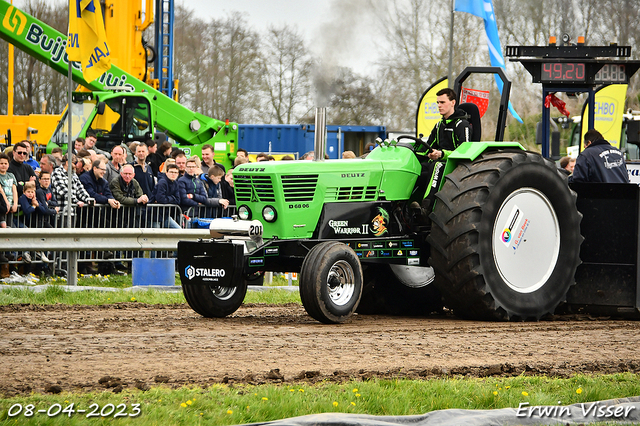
x=286, y=71
x=354, y=101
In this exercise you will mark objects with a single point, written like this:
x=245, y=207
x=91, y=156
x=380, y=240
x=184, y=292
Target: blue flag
x=484, y=10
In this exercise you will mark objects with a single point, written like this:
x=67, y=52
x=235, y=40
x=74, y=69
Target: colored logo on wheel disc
x=506, y=235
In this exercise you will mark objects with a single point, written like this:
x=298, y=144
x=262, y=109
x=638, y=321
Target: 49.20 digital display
x=562, y=72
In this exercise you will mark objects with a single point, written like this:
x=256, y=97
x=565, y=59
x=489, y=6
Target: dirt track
x=48, y=349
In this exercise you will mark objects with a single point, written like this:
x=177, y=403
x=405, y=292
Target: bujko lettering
x=36, y=36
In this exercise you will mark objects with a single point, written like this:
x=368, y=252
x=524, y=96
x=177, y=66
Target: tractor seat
x=474, y=120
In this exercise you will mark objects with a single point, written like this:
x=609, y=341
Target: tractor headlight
x=269, y=214
x=244, y=213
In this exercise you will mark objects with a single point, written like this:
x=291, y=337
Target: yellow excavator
x=125, y=21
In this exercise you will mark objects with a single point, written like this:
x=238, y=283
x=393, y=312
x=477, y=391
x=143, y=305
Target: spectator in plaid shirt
x=59, y=180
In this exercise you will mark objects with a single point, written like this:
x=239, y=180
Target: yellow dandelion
x=201, y=414
x=353, y=403
x=495, y=393
x=300, y=390
x=229, y=412
x=255, y=394
x=524, y=393
x=292, y=390
x=264, y=398
x=507, y=387
x=189, y=402
x=183, y=405
x=335, y=403
x=355, y=390
x=357, y=395
x=579, y=391
x=133, y=299
x=499, y=388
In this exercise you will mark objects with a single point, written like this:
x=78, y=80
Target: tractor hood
x=297, y=190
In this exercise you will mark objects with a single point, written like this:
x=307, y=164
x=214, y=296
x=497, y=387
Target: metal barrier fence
x=105, y=219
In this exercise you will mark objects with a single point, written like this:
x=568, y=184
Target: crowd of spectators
x=113, y=189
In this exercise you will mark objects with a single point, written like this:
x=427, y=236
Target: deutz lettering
x=252, y=169
x=352, y=175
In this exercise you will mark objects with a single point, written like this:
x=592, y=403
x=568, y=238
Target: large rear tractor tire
x=505, y=238
x=214, y=301
x=331, y=282
x=387, y=292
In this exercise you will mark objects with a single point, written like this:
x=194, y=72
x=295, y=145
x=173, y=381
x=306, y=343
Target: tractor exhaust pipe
x=320, y=139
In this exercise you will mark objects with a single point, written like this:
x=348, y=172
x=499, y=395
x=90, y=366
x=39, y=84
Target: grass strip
x=55, y=294
x=238, y=404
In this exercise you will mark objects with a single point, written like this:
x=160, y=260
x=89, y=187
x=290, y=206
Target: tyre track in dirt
x=83, y=348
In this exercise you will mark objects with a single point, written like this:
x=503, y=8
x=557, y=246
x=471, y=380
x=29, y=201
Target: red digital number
x=546, y=69
x=557, y=71
x=579, y=71
x=569, y=73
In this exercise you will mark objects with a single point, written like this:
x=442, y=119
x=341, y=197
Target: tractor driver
x=446, y=136
x=452, y=130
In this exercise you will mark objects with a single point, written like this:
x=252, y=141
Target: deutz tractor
x=501, y=241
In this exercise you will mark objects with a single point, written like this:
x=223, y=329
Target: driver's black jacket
x=450, y=132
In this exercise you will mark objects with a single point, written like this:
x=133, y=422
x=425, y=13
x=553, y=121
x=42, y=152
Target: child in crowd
x=214, y=192
x=48, y=208
x=29, y=204
x=168, y=192
x=9, y=183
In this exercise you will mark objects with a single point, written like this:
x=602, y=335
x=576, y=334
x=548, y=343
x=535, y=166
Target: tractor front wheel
x=214, y=301
x=331, y=282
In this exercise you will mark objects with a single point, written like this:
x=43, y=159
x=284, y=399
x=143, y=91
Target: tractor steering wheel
x=419, y=143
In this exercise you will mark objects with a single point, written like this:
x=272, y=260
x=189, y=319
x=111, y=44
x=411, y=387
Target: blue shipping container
x=298, y=139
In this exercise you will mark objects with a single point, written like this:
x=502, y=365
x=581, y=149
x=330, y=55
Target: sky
x=340, y=31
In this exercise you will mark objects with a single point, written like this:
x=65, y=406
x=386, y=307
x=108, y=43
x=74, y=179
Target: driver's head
x=446, y=99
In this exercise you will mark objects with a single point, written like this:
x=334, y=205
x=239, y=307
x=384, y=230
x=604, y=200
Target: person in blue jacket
x=167, y=191
x=97, y=186
x=599, y=161
x=192, y=192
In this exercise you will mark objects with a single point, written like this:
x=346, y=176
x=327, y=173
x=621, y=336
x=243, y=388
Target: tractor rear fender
x=469, y=151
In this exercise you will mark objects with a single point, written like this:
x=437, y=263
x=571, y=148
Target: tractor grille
x=299, y=188
x=254, y=188
x=356, y=193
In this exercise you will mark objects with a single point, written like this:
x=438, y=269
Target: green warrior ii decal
x=380, y=222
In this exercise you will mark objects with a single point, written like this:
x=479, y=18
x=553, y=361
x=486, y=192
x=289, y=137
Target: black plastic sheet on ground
x=620, y=411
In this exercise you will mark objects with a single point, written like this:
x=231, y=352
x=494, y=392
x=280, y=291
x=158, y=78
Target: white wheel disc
x=526, y=240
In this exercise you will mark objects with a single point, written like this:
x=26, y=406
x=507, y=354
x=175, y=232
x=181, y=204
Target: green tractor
x=501, y=242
